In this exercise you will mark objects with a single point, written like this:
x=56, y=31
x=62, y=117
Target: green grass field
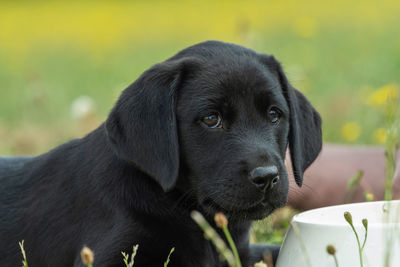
x=344, y=57
x=52, y=53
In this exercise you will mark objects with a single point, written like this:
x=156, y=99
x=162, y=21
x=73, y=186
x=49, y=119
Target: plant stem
x=302, y=244
x=169, y=255
x=365, y=239
x=390, y=166
x=232, y=245
x=336, y=261
x=213, y=236
x=358, y=243
x=21, y=245
x=392, y=113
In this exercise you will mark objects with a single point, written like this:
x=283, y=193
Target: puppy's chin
x=256, y=212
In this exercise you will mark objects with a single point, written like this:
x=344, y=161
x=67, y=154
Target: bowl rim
x=301, y=218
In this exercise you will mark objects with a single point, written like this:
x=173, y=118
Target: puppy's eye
x=274, y=114
x=213, y=120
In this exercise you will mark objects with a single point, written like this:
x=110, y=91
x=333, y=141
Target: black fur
x=135, y=179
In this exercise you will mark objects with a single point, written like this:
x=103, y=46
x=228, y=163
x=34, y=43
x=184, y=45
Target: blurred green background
x=63, y=64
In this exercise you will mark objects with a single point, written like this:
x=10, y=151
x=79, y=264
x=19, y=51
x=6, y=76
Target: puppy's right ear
x=142, y=126
x=305, y=136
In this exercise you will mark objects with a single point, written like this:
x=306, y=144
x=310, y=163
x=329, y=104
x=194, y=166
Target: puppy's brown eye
x=274, y=114
x=212, y=121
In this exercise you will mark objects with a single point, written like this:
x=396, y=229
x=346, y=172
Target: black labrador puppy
x=205, y=130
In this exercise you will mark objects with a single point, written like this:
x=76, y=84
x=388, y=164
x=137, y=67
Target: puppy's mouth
x=258, y=210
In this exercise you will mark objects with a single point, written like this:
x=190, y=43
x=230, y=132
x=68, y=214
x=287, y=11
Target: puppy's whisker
x=296, y=192
x=308, y=187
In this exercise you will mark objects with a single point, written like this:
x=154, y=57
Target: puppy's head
x=219, y=117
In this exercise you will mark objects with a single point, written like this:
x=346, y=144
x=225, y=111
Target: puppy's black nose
x=264, y=177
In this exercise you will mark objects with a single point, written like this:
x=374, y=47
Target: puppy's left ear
x=142, y=126
x=305, y=135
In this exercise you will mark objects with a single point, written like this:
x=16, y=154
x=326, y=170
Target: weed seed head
x=331, y=249
x=220, y=220
x=365, y=223
x=348, y=218
x=87, y=256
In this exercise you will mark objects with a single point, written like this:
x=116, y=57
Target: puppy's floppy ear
x=305, y=136
x=142, y=126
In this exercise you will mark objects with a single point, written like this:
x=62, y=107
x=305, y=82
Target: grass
x=169, y=257
x=41, y=91
x=87, y=256
x=24, y=260
x=349, y=219
x=129, y=260
x=272, y=229
x=228, y=255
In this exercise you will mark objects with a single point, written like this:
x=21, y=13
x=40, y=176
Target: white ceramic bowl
x=311, y=231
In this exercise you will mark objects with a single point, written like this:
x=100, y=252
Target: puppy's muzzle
x=264, y=178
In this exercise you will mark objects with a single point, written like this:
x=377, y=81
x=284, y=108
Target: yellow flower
x=369, y=196
x=305, y=27
x=380, y=135
x=351, y=131
x=381, y=96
